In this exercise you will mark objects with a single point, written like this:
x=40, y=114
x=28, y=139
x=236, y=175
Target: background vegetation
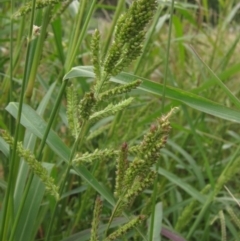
x=189, y=60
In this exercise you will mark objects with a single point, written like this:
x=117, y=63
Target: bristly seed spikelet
x=34, y=165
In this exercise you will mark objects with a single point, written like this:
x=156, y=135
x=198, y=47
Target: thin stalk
x=76, y=33
x=84, y=200
x=125, y=215
x=215, y=45
x=52, y=118
x=11, y=68
x=225, y=60
x=18, y=47
x=77, y=143
x=11, y=184
x=200, y=147
x=200, y=216
x=228, y=92
x=37, y=54
x=82, y=34
x=163, y=104
x=11, y=122
x=114, y=124
x=114, y=21
x=147, y=41
x=167, y=57
x=113, y=213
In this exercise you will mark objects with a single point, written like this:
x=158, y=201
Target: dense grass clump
x=121, y=125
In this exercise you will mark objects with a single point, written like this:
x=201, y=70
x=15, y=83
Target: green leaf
x=192, y=165
x=92, y=181
x=34, y=123
x=31, y=207
x=185, y=186
x=29, y=143
x=57, y=31
x=195, y=101
x=25, y=226
x=157, y=225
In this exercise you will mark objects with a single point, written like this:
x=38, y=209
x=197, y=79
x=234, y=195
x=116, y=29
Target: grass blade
x=34, y=123
x=195, y=101
x=185, y=186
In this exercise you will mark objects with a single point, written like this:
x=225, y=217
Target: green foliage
x=34, y=165
x=27, y=8
x=77, y=136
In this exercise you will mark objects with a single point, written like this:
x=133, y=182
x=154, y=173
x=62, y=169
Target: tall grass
x=86, y=147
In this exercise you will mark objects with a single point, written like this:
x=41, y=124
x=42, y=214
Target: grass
x=91, y=137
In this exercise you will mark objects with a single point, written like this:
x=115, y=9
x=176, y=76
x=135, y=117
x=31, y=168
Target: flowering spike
x=86, y=105
x=122, y=165
x=120, y=90
x=111, y=109
x=129, y=35
x=95, y=48
x=27, y=7
x=96, y=219
x=123, y=229
x=72, y=111
x=90, y=157
x=34, y=165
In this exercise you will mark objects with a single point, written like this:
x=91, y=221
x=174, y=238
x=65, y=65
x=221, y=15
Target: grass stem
x=6, y=209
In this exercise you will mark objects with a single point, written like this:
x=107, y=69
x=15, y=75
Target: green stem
x=228, y=92
x=167, y=57
x=79, y=39
x=77, y=143
x=11, y=122
x=11, y=68
x=163, y=104
x=75, y=34
x=200, y=216
x=113, y=214
x=113, y=24
x=201, y=149
x=52, y=118
x=11, y=183
x=37, y=54
x=18, y=47
x=215, y=44
x=84, y=202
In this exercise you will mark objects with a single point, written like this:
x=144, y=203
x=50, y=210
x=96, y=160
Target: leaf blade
x=194, y=101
